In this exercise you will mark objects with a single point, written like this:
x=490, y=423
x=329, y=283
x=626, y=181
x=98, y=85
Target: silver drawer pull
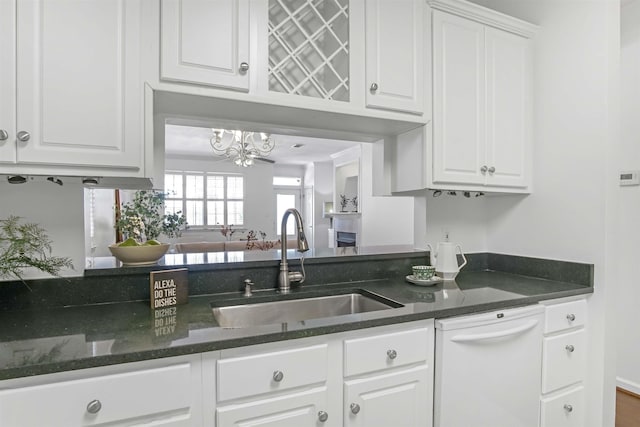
x=569, y=348
x=323, y=416
x=23, y=136
x=571, y=317
x=278, y=376
x=392, y=354
x=94, y=406
x=4, y=135
x=355, y=408
x=568, y=408
x=244, y=67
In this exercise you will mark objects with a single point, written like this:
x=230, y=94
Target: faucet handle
x=247, y=287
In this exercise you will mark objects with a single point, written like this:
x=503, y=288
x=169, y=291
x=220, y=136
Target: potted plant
x=142, y=221
x=143, y=218
x=24, y=245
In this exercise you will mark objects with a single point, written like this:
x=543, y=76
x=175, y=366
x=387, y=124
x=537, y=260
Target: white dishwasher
x=488, y=368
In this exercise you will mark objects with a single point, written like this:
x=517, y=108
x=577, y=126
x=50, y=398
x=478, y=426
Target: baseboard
x=628, y=385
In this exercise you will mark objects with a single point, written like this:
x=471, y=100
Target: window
x=207, y=200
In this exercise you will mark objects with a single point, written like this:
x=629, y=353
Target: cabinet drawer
x=391, y=350
x=564, y=410
x=564, y=316
x=153, y=394
x=563, y=360
x=267, y=372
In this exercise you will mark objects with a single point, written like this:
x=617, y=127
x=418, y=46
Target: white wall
x=628, y=268
x=464, y=219
x=59, y=210
x=384, y=220
x=323, y=192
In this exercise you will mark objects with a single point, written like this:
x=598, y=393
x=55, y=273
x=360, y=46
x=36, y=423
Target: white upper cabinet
x=395, y=53
x=482, y=103
x=7, y=82
x=459, y=97
x=509, y=104
x=78, y=89
x=206, y=42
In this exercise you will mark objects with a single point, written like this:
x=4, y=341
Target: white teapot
x=445, y=260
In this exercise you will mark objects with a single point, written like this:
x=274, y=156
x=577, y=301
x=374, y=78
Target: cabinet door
x=161, y=397
x=289, y=410
x=508, y=108
x=79, y=92
x=563, y=410
x=7, y=82
x=205, y=42
x=394, y=399
x=564, y=360
x=459, y=100
x=395, y=55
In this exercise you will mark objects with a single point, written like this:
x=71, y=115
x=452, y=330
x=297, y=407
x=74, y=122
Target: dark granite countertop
x=39, y=341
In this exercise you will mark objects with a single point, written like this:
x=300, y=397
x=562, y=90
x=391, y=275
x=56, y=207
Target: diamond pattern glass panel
x=309, y=48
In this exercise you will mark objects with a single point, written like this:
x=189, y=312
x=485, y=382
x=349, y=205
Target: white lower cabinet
x=163, y=392
x=371, y=377
x=392, y=399
x=564, y=363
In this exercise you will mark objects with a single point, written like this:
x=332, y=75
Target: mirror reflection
x=233, y=186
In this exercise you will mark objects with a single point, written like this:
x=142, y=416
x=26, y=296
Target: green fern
x=26, y=245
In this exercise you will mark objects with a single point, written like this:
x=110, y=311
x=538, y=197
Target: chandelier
x=241, y=146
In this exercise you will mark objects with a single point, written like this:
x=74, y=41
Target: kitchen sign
x=169, y=288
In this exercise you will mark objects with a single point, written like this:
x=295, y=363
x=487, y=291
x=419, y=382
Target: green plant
x=24, y=245
x=143, y=215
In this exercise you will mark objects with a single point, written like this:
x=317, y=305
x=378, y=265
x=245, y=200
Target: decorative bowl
x=139, y=255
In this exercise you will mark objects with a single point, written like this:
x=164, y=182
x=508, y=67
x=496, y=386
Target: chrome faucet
x=286, y=277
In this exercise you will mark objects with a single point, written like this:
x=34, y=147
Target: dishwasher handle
x=499, y=334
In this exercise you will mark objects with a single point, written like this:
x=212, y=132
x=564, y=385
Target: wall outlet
x=445, y=234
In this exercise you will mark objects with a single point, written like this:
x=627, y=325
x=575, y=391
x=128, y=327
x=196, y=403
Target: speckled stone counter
x=44, y=334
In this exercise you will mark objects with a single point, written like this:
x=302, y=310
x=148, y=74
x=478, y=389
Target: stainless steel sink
x=295, y=310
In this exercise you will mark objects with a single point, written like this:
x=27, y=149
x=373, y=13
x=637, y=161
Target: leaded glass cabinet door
x=309, y=48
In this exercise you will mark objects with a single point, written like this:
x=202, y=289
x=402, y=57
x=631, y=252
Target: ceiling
x=190, y=141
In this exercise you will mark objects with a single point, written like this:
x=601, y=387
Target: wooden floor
x=627, y=409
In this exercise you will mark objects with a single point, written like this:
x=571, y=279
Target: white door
x=508, y=108
x=394, y=399
x=285, y=199
x=395, y=55
x=79, y=92
x=7, y=82
x=459, y=100
x=206, y=42
x=300, y=409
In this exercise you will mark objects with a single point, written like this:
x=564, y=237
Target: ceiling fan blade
x=263, y=159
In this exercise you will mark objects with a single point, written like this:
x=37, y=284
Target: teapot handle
x=463, y=257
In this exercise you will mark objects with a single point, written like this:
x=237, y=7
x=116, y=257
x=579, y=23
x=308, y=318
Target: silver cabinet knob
x=571, y=317
x=23, y=136
x=569, y=348
x=355, y=408
x=492, y=169
x=392, y=354
x=4, y=135
x=94, y=406
x=374, y=87
x=323, y=416
x=244, y=67
x=568, y=408
x=278, y=376
x=484, y=169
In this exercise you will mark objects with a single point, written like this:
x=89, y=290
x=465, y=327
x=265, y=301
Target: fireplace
x=345, y=239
